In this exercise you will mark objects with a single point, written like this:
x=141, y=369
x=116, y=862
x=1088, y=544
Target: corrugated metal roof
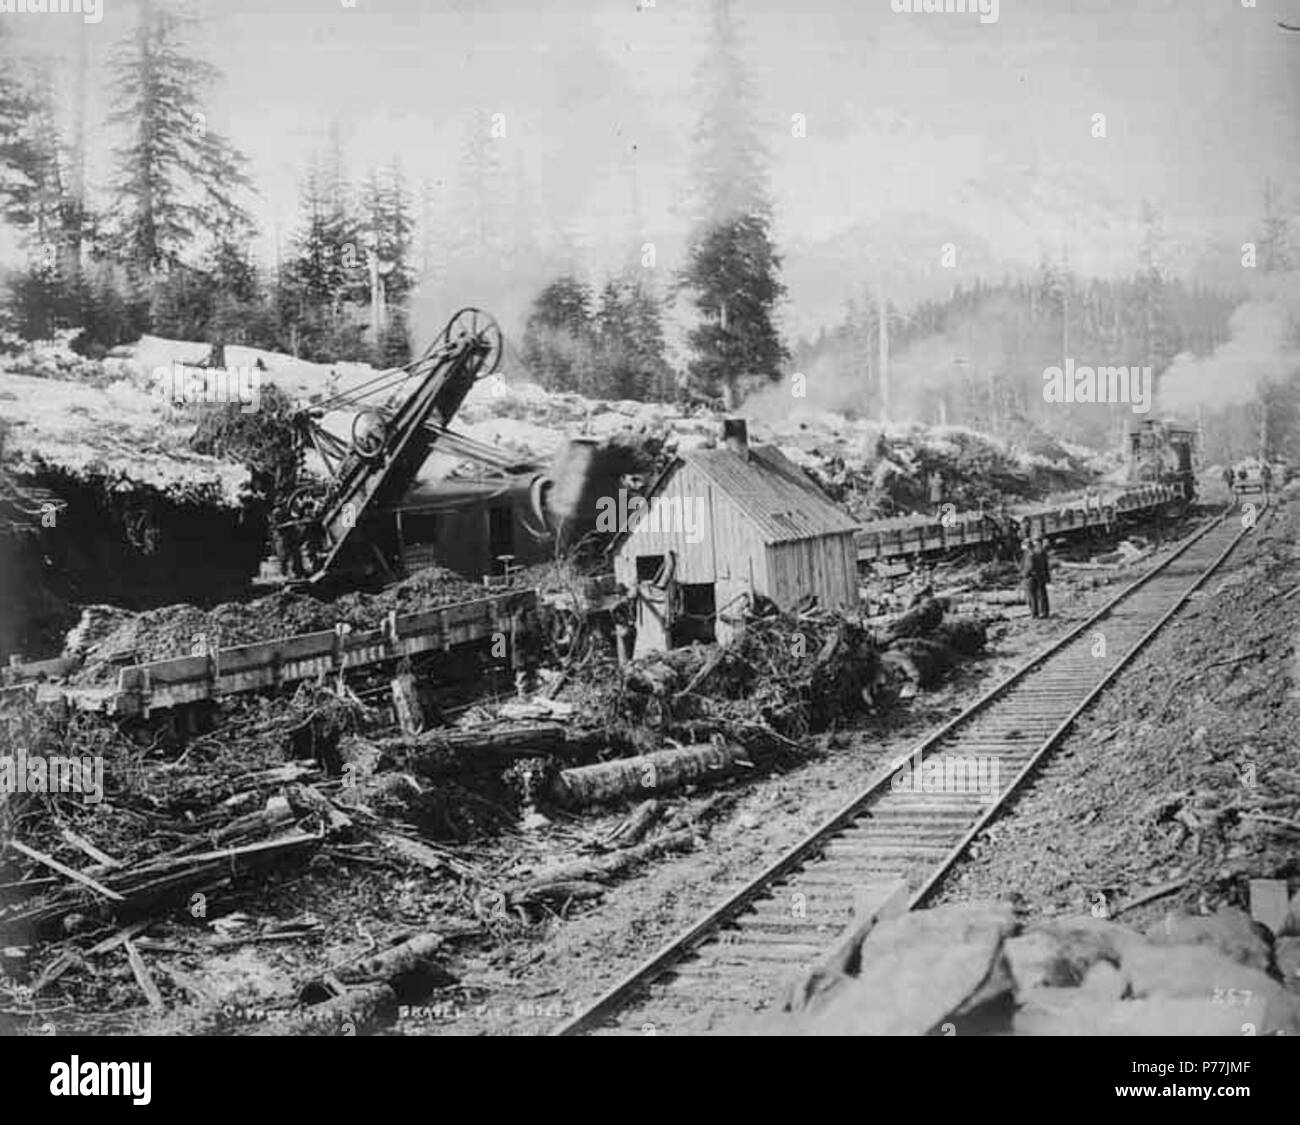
x=775, y=493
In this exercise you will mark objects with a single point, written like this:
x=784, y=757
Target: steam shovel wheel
x=474, y=324
x=369, y=434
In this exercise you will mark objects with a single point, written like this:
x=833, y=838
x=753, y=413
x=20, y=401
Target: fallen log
x=559, y=892
x=632, y=830
x=449, y=751
x=661, y=771
x=601, y=868
x=1003, y=597
x=410, y=956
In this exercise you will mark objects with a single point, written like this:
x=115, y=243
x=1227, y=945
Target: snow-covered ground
x=66, y=410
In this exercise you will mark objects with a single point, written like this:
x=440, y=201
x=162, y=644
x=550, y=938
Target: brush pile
x=782, y=677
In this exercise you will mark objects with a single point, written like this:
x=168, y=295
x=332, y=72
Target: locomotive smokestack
x=735, y=436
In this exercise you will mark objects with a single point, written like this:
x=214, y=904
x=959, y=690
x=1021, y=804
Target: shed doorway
x=698, y=616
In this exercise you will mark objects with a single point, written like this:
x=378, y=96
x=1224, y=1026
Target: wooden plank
x=143, y=977
x=161, y=684
x=71, y=873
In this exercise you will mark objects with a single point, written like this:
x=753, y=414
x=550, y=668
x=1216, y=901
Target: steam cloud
x=1261, y=351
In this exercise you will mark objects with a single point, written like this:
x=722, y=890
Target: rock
x=1068, y=1011
x=1059, y=953
x=918, y=971
x=1198, y=972
x=1229, y=930
x=874, y=903
x=1286, y=953
x=1103, y=981
x=1268, y=904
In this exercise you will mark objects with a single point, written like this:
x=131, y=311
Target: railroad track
x=739, y=956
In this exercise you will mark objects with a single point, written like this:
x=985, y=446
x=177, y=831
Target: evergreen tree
x=733, y=272
x=176, y=178
x=733, y=267
x=629, y=327
x=560, y=340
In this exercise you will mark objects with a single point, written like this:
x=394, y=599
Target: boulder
x=1286, y=954
x=1104, y=982
x=1230, y=931
x=1201, y=973
x=1059, y=953
x=1069, y=1011
x=920, y=971
x=875, y=902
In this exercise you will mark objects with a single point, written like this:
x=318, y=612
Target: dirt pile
x=186, y=630
x=887, y=472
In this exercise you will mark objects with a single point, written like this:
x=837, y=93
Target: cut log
x=1003, y=597
x=659, y=772
x=560, y=892
x=601, y=868
x=410, y=956
x=449, y=751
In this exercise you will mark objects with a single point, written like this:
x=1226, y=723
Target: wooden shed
x=721, y=525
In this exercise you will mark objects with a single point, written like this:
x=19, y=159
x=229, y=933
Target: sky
x=921, y=128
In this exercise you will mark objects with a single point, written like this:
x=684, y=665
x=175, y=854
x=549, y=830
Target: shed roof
x=779, y=497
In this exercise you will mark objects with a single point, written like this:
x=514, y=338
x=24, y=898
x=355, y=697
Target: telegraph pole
x=882, y=315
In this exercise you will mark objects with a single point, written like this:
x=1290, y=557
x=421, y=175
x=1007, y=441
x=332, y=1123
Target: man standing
x=1042, y=576
x=1027, y=577
x=1227, y=480
x=936, y=493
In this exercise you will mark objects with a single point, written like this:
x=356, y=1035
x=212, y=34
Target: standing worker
x=1042, y=576
x=936, y=492
x=1027, y=579
x=1227, y=481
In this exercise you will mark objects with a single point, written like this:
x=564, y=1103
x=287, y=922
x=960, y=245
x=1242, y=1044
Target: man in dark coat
x=1027, y=579
x=936, y=493
x=1042, y=576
